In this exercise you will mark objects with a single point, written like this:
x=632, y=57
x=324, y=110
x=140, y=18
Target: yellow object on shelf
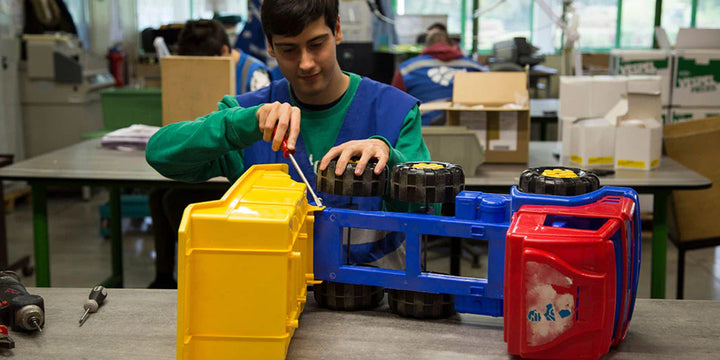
x=244, y=263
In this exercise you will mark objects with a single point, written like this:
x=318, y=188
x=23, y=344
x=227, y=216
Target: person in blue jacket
x=430, y=75
x=208, y=38
x=324, y=112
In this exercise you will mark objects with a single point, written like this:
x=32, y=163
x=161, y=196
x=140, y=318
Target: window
x=451, y=8
x=510, y=19
x=708, y=13
x=637, y=31
x=598, y=23
x=676, y=14
x=154, y=13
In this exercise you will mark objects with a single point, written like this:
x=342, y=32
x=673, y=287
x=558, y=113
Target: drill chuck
x=29, y=317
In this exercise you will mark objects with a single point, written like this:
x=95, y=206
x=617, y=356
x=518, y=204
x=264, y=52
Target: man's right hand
x=283, y=116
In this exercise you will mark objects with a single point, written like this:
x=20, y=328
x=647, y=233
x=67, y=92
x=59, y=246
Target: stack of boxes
x=690, y=74
x=611, y=121
x=493, y=105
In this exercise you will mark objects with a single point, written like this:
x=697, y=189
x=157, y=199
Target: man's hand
x=365, y=149
x=283, y=116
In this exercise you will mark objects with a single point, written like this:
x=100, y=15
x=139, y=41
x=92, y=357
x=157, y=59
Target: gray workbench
x=140, y=324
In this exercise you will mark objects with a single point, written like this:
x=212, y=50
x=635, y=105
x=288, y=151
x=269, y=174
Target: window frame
x=467, y=37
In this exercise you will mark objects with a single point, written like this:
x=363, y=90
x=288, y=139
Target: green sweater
x=210, y=146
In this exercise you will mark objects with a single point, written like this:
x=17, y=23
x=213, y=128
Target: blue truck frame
x=480, y=216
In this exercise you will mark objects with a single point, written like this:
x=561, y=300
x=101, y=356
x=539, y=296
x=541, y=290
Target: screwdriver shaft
x=84, y=317
x=297, y=167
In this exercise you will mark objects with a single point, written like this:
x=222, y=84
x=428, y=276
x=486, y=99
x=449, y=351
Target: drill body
x=18, y=309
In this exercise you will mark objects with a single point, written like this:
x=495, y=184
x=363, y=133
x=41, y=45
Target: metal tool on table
x=92, y=304
x=287, y=153
x=19, y=309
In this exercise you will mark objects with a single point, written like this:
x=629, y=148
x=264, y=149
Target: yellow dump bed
x=244, y=263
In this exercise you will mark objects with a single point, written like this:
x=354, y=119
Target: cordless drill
x=19, y=309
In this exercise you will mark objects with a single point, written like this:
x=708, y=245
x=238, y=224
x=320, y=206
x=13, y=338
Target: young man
x=324, y=112
x=430, y=76
x=208, y=38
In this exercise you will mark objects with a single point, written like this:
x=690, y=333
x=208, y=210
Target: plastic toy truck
x=562, y=268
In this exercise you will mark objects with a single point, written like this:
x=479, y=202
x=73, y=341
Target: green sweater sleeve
x=410, y=145
x=194, y=151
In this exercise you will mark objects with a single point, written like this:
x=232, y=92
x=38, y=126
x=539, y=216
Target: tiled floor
x=80, y=256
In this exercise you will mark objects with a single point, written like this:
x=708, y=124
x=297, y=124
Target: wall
x=112, y=22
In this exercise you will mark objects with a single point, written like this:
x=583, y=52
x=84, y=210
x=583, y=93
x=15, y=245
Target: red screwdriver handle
x=286, y=152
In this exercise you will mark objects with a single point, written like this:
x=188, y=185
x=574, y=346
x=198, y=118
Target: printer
x=60, y=87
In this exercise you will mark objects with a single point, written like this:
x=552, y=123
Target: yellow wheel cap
x=559, y=173
x=428, y=166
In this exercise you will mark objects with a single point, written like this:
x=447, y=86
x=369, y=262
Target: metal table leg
x=40, y=230
x=659, y=244
x=116, y=279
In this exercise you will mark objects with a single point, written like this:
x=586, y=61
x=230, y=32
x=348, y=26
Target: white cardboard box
x=645, y=62
x=638, y=135
x=697, y=78
x=590, y=96
x=593, y=142
x=584, y=97
x=677, y=115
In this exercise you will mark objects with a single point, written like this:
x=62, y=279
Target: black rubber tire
x=532, y=181
x=348, y=297
x=348, y=184
x=414, y=184
x=421, y=305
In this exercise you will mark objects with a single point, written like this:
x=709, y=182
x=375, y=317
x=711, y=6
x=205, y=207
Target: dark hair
x=290, y=17
x=438, y=26
x=202, y=38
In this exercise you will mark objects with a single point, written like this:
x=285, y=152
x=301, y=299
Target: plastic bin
x=122, y=107
x=244, y=263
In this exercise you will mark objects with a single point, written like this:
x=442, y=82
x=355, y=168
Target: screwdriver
x=287, y=153
x=96, y=298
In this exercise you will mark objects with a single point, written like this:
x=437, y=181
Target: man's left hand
x=364, y=149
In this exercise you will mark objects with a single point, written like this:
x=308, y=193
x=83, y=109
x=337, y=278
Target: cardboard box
x=695, y=145
x=677, y=115
x=501, y=116
x=586, y=97
x=645, y=62
x=192, y=86
x=697, y=78
x=638, y=135
x=593, y=142
x=666, y=115
x=596, y=64
x=148, y=75
x=454, y=144
x=590, y=96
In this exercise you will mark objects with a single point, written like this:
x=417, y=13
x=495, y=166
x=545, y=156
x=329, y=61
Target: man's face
x=308, y=61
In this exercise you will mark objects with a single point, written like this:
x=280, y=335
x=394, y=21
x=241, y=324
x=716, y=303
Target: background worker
x=198, y=38
x=208, y=38
x=430, y=75
x=324, y=112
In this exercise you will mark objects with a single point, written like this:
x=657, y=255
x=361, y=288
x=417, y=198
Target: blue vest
x=428, y=78
x=244, y=70
x=376, y=109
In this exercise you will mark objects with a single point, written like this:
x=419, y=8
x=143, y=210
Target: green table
x=87, y=163
x=660, y=182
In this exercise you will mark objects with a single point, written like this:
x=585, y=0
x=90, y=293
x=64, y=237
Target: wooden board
x=192, y=86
